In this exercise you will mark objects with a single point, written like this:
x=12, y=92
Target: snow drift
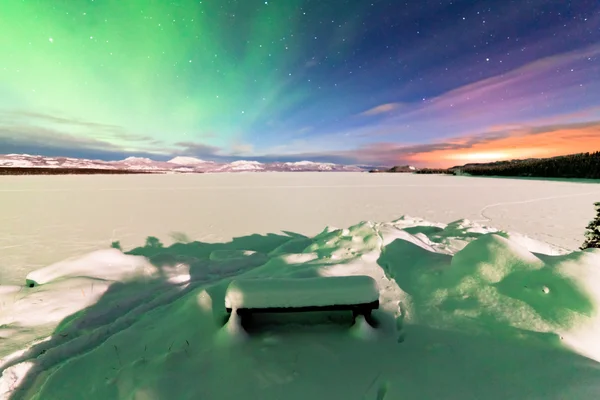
x=465, y=311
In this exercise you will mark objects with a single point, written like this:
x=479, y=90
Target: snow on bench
x=357, y=293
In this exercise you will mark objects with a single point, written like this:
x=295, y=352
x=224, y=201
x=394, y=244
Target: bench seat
x=357, y=293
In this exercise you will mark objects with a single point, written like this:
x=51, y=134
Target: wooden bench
x=357, y=293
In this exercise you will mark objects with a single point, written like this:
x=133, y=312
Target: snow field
x=466, y=311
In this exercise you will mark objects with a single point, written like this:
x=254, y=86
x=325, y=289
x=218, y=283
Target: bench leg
x=243, y=317
x=367, y=314
x=357, y=311
x=224, y=319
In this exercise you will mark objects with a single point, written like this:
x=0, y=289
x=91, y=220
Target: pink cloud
x=381, y=109
x=520, y=88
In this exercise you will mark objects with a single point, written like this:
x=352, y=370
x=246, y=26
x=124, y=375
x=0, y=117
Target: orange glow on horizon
x=499, y=155
x=518, y=146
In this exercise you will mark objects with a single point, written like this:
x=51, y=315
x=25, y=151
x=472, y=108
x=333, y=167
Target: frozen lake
x=44, y=219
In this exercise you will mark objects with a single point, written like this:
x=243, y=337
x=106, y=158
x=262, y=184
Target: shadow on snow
x=211, y=267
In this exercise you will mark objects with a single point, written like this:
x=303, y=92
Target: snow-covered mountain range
x=178, y=164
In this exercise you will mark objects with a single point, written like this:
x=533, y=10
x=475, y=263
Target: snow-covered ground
x=48, y=218
x=466, y=312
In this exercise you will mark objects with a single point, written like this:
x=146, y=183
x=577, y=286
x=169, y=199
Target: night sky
x=431, y=83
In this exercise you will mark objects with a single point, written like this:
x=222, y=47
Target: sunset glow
x=520, y=144
x=479, y=156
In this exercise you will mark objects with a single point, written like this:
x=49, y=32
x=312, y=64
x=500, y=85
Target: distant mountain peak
x=305, y=162
x=183, y=160
x=182, y=164
x=240, y=162
x=244, y=165
x=138, y=160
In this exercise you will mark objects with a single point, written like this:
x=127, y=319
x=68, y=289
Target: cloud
x=196, y=149
x=28, y=115
x=18, y=120
x=133, y=137
x=517, y=143
x=242, y=149
x=46, y=137
x=52, y=143
x=538, y=141
x=381, y=109
x=507, y=142
x=87, y=153
x=36, y=133
x=562, y=83
x=550, y=91
x=34, y=140
x=304, y=130
x=510, y=142
x=584, y=126
x=30, y=132
x=519, y=89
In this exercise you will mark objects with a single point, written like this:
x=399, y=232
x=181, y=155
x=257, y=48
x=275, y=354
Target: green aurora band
x=172, y=71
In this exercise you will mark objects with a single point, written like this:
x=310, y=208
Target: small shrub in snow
x=153, y=242
x=592, y=235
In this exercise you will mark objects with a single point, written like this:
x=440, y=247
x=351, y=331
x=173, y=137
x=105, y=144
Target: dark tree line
x=396, y=169
x=411, y=170
x=584, y=166
x=434, y=171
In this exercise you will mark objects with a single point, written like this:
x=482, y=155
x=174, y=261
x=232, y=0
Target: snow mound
x=521, y=317
x=104, y=264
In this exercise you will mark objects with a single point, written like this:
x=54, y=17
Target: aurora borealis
x=367, y=82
